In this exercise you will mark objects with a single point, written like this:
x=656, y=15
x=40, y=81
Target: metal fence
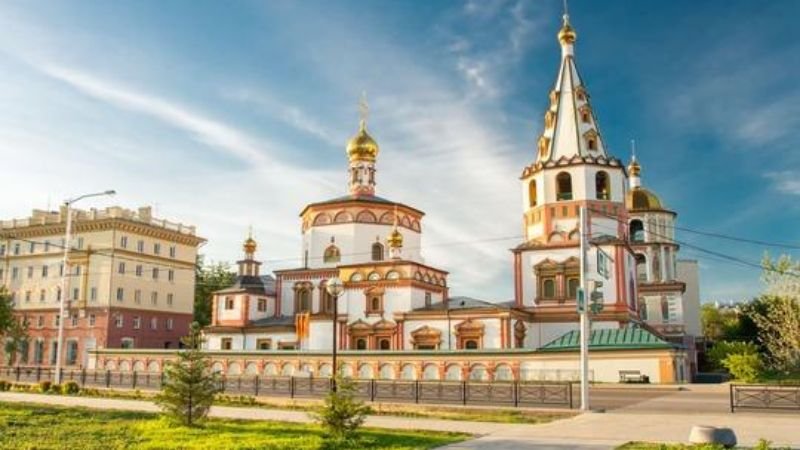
x=764, y=396
x=499, y=393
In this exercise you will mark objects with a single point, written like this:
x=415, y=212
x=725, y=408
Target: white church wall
x=354, y=241
x=230, y=314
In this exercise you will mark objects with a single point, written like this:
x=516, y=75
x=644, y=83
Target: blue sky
x=227, y=114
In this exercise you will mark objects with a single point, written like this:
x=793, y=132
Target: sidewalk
x=588, y=431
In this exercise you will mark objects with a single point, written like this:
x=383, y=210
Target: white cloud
x=785, y=181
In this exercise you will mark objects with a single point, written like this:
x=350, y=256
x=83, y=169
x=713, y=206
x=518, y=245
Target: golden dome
x=395, y=239
x=640, y=199
x=250, y=245
x=567, y=34
x=362, y=147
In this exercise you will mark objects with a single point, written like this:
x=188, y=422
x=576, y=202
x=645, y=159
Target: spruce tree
x=189, y=384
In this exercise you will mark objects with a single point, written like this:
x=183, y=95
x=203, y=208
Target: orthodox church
x=393, y=301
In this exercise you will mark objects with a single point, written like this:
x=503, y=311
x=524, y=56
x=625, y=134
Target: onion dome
x=250, y=245
x=395, y=239
x=567, y=34
x=362, y=147
x=641, y=199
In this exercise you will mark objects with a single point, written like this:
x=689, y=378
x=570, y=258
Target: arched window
x=563, y=186
x=602, y=186
x=641, y=267
x=591, y=143
x=572, y=287
x=385, y=344
x=636, y=230
x=302, y=298
x=376, y=303
x=326, y=299
x=377, y=252
x=664, y=309
x=332, y=254
x=532, y=192
x=549, y=288
x=361, y=344
x=471, y=345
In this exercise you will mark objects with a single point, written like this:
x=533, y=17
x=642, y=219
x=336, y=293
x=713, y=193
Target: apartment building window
x=40, y=322
x=38, y=351
x=118, y=321
x=137, y=296
x=58, y=294
x=226, y=343
x=169, y=324
x=80, y=243
x=75, y=293
x=72, y=352
x=46, y=246
x=154, y=323
x=30, y=271
x=140, y=246
x=16, y=249
x=56, y=320
x=137, y=322
x=93, y=294
x=170, y=298
x=157, y=248
x=45, y=268
x=77, y=270
x=155, y=273
x=32, y=247
x=42, y=295
x=154, y=298
x=171, y=275
x=123, y=242
x=92, y=320
x=14, y=273
x=3, y=250
x=121, y=268
x=27, y=296
x=74, y=320
x=172, y=251
x=120, y=294
x=61, y=270
x=139, y=270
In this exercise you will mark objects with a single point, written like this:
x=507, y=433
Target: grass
x=25, y=426
x=762, y=445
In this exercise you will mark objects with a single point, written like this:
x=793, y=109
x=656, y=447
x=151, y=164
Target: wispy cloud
x=787, y=181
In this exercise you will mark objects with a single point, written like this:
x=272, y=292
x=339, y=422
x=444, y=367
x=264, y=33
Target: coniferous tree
x=189, y=384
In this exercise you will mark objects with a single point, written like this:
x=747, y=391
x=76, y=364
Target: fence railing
x=764, y=396
x=508, y=393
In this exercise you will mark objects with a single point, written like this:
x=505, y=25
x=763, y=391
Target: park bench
x=632, y=376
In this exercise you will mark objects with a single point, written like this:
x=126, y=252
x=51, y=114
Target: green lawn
x=24, y=426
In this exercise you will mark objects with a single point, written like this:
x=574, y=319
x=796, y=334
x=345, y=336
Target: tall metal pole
x=64, y=291
x=335, y=322
x=584, y=315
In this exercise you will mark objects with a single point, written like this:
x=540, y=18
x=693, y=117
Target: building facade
x=130, y=278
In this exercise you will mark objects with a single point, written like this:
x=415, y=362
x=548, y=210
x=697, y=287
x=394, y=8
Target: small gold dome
x=362, y=147
x=250, y=245
x=634, y=169
x=640, y=199
x=567, y=34
x=395, y=239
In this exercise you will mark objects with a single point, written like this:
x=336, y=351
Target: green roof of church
x=628, y=338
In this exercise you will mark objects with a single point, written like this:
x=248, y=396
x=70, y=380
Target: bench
x=632, y=376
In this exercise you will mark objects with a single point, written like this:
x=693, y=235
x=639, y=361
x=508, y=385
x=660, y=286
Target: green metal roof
x=629, y=338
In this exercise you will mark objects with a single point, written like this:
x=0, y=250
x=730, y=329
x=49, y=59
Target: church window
x=563, y=186
x=377, y=252
x=585, y=116
x=664, y=309
x=226, y=343
x=374, y=302
x=361, y=344
x=228, y=303
x=532, y=193
x=643, y=309
x=262, y=305
x=591, y=143
x=602, y=186
x=636, y=230
x=332, y=254
x=385, y=344
x=471, y=344
x=549, y=288
x=356, y=277
x=572, y=287
x=263, y=344
x=302, y=297
x=641, y=268
x=326, y=299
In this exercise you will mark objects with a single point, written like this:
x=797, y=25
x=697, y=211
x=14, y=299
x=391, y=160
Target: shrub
x=70, y=388
x=44, y=386
x=721, y=350
x=744, y=367
x=55, y=388
x=4, y=386
x=342, y=414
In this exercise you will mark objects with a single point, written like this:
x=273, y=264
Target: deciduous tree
x=209, y=278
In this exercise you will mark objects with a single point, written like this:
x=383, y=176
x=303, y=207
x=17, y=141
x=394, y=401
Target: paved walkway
x=592, y=431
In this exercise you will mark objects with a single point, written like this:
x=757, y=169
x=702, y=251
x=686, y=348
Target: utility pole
x=583, y=311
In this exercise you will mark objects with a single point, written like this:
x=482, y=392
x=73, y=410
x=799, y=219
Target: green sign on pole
x=580, y=304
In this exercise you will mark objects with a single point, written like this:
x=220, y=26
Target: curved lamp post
x=335, y=288
x=65, y=276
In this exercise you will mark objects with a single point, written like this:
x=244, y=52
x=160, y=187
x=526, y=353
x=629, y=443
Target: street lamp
x=65, y=276
x=335, y=288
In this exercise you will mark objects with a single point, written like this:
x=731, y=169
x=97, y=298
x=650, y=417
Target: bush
x=342, y=414
x=744, y=367
x=44, y=386
x=4, y=386
x=55, y=388
x=721, y=350
x=70, y=388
